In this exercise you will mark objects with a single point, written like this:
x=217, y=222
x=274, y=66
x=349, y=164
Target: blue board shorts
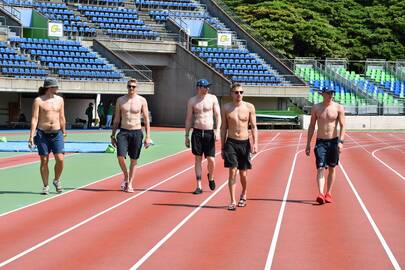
x=326, y=153
x=49, y=141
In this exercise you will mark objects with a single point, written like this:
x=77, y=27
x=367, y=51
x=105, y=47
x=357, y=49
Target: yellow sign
x=55, y=29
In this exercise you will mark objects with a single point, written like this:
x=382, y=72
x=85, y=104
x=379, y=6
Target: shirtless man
x=328, y=145
x=48, y=126
x=128, y=111
x=203, y=107
x=236, y=148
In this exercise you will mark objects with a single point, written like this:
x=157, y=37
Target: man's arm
x=311, y=130
x=34, y=121
x=62, y=119
x=252, y=120
x=189, y=122
x=218, y=120
x=342, y=123
x=116, y=122
x=146, y=121
x=224, y=127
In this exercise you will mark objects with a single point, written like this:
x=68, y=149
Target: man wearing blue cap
x=48, y=124
x=203, y=107
x=328, y=146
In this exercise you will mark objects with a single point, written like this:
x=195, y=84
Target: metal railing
x=10, y=9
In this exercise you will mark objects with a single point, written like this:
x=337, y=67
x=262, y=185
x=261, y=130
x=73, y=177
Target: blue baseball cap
x=203, y=83
x=326, y=90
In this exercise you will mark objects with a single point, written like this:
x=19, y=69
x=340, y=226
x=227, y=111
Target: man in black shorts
x=128, y=111
x=236, y=148
x=328, y=114
x=203, y=108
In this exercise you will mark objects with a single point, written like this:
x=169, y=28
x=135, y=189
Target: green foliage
x=353, y=29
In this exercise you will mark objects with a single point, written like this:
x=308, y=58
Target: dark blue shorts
x=326, y=153
x=49, y=142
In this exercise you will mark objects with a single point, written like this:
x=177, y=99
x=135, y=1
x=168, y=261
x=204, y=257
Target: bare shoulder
x=339, y=107
x=142, y=99
x=120, y=100
x=250, y=106
x=213, y=98
x=59, y=98
x=191, y=100
x=316, y=107
x=37, y=100
x=227, y=106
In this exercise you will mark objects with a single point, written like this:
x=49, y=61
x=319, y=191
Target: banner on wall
x=224, y=39
x=55, y=29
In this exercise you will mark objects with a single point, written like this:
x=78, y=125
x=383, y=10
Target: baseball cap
x=203, y=83
x=50, y=82
x=326, y=90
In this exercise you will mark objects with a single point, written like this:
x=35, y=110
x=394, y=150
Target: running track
x=163, y=226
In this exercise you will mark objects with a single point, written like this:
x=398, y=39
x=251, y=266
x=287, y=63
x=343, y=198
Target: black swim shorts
x=203, y=142
x=129, y=141
x=236, y=154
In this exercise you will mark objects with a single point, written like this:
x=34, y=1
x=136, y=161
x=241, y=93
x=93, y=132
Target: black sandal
x=232, y=207
x=242, y=202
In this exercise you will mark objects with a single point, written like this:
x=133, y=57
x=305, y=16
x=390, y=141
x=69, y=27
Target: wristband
x=64, y=135
x=112, y=136
x=341, y=141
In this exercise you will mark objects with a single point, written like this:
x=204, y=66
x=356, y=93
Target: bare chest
x=203, y=106
x=238, y=115
x=50, y=106
x=328, y=114
x=131, y=107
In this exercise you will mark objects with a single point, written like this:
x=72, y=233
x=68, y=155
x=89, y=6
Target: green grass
x=21, y=186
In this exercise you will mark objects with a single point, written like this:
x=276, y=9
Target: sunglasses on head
x=238, y=92
x=131, y=86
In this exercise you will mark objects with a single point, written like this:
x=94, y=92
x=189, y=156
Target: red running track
x=333, y=236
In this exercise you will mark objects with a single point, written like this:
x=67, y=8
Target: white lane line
x=273, y=244
x=378, y=159
x=382, y=141
x=25, y=252
x=391, y=256
x=385, y=164
x=184, y=221
x=97, y=181
x=33, y=162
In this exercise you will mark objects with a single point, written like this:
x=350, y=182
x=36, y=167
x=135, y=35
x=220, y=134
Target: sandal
x=232, y=207
x=242, y=202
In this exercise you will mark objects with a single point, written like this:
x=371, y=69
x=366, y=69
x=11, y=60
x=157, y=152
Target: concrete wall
x=368, y=122
x=263, y=103
x=175, y=84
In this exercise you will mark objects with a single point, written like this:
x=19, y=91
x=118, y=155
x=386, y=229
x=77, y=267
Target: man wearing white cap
x=48, y=125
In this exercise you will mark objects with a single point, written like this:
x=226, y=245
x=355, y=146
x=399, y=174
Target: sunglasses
x=238, y=92
x=131, y=86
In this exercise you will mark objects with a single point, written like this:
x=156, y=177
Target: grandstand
x=166, y=46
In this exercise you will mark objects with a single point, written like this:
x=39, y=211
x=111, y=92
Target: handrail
x=143, y=71
x=13, y=11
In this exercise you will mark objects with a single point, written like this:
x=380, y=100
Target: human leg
x=132, y=169
x=44, y=169
x=211, y=168
x=232, y=187
x=198, y=172
x=59, y=164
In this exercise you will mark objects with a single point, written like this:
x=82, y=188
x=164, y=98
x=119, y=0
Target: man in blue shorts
x=328, y=115
x=48, y=126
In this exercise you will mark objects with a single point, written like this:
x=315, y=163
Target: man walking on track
x=203, y=107
x=328, y=145
x=236, y=148
x=128, y=112
x=48, y=125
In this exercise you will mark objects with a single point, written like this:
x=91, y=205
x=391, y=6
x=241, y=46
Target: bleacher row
x=184, y=5
x=68, y=59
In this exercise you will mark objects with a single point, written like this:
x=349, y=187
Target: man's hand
x=113, y=141
x=31, y=143
x=187, y=142
x=254, y=148
x=147, y=142
x=308, y=150
x=340, y=147
x=217, y=134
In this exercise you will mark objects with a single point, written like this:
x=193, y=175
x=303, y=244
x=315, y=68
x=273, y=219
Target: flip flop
x=242, y=202
x=232, y=207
